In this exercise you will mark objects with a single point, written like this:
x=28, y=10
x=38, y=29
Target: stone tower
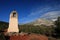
x=13, y=22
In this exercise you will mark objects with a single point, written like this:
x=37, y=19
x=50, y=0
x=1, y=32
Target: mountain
x=2, y=22
x=3, y=25
x=42, y=22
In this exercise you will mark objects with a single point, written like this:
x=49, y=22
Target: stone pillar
x=13, y=22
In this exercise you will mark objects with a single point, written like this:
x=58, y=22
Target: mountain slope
x=42, y=22
x=3, y=25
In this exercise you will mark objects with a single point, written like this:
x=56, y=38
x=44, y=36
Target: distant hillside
x=3, y=25
x=1, y=22
x=42, y=22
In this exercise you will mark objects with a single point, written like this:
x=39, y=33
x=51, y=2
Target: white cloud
x=51, y=15
x=48, y=12
x=34, y=14
x=38, y=11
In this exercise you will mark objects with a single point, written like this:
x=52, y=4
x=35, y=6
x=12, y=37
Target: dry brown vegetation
x=29, y=37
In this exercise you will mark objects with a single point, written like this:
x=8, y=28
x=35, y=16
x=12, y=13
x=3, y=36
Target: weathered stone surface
x=13, y=22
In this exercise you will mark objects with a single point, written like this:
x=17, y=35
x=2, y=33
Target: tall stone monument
x=13, y=22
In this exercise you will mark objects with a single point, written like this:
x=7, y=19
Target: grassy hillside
x=30, y=28
x=37, y=29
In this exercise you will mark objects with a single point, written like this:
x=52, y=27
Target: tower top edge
x=14, y=11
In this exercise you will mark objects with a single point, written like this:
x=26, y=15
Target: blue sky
x=28, y=10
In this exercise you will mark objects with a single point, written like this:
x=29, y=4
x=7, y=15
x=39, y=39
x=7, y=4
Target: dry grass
x=29, y=37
